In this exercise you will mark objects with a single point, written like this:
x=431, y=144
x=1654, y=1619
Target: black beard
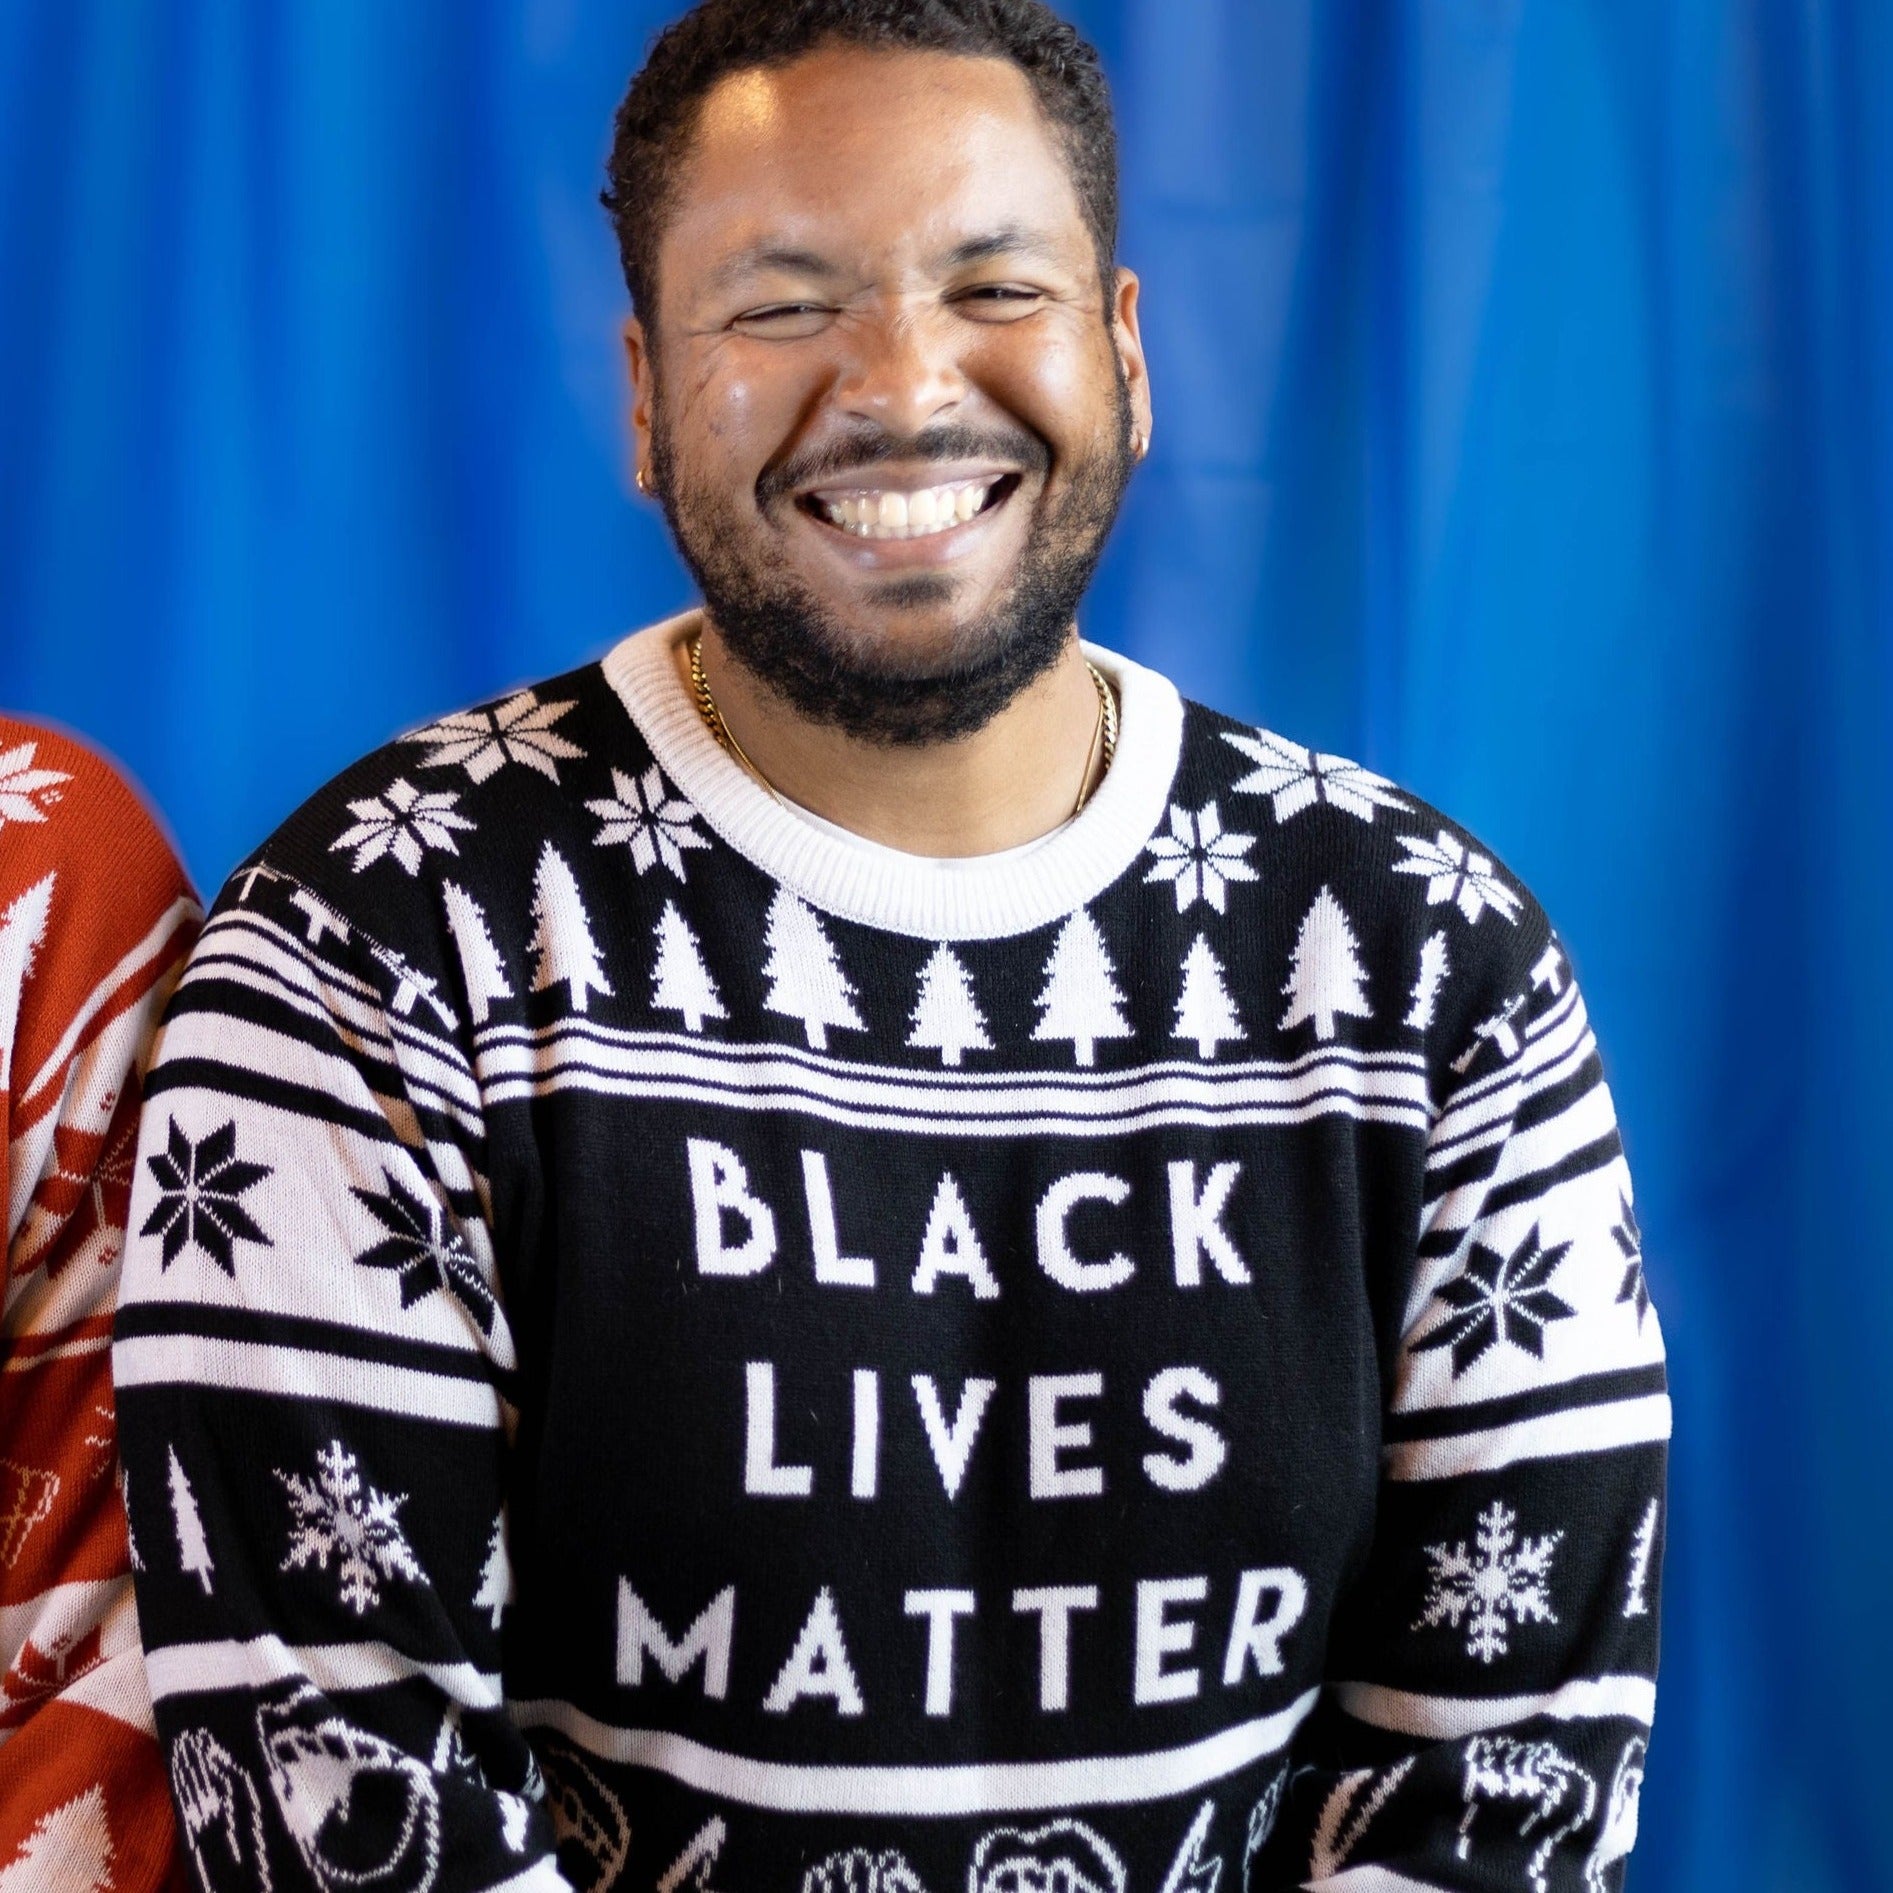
x=783, y=636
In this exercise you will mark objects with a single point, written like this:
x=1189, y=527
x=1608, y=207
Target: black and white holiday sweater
x=667, y=1348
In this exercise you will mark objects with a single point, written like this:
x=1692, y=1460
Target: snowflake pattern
x=337, y=1515
x=1505, y=1576
x=200, y=1184
x=402, y=821
x=1198, y=858
x=1500, y=1299
x=1458, y=874
x=1294, y=778
x=483, y=742
x=26, y=793
x=1629, y=1238
x=424, y=1251
x=656, y=823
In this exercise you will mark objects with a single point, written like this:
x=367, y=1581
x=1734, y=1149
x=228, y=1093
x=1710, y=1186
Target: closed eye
x=998, y=302
x=786, y=319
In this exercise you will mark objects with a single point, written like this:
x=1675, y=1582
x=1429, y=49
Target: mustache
x=870, y=447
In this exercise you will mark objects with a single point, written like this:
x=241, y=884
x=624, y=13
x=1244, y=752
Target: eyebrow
x=1008, y=240
x=771, y=256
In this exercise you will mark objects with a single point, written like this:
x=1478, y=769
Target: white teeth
x=887, y=515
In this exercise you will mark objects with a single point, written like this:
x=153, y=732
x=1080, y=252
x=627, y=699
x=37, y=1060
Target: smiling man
x=854, y=1252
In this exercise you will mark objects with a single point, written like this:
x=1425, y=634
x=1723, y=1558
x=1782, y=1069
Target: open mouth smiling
x=890, y=513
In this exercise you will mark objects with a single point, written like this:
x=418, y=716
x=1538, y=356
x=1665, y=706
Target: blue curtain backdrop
x=1524, y=376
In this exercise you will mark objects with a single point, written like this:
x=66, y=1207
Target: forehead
x=870, y=156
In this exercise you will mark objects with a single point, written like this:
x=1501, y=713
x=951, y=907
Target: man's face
x=888, y=401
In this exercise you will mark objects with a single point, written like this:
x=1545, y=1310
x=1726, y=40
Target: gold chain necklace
x=1104, y=730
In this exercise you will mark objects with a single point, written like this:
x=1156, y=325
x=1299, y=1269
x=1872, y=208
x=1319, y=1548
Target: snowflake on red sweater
x=26, y=793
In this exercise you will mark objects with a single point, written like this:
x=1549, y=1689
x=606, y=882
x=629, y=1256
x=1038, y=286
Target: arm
x=316, y=1370
x=95, y=919
x=1494, y=1670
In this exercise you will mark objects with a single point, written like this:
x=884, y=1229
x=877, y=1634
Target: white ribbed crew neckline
x=979, y=898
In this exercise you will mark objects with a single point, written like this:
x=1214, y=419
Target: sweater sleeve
x=95, y=919
x=317, y=1371
x=1492, y=1673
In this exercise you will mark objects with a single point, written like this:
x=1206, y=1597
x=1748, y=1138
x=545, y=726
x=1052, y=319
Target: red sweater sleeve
x=96, y=916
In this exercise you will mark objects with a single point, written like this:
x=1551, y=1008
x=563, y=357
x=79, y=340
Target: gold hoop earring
x=1140, y=446
x=642, y=480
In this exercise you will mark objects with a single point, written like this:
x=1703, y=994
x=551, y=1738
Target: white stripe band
x=1322, y=1104
x=159, y=1360
x=1594, y=1429
x=1370, y=1880
x=967, y=1788
x=1451, y=1718
x=189, y=1669
x=878, y=1098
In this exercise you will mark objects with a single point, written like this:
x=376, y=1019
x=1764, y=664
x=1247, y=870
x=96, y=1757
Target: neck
x=1016, y=779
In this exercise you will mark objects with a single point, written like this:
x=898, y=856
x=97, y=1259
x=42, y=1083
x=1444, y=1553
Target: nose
x=902, y=371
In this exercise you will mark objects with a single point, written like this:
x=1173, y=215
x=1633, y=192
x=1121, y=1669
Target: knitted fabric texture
x=670, y=1351
x=95, y=920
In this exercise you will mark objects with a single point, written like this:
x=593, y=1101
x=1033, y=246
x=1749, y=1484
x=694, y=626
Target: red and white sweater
x=96, y=916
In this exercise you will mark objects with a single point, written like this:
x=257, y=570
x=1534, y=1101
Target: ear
x=637, y=354
x=1129, y=343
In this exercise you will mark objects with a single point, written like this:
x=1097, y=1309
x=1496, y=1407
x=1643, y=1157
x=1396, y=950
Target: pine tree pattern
x=496, y=1576
x=946, y=1017
x=1434, y=967
x=806, y=982
x=562, y=934
x=193, y=1549
x=1081, y=1000
x=70, y=1847
x=1199, y=858
x=482, y=742
x=1205, y=1012
x=410, y=985
x=985, y=1116
x=642, y=814
x=680, y=982
x=480, y=963
x=22, y=930
x=1326, y=979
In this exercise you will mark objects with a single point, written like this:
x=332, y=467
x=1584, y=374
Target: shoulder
x=464, y=796
x=428, y=865
x=64, y=804
x=89, y=882
x=1452, y=951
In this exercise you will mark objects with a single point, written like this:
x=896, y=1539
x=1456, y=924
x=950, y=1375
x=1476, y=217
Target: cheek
x=1060, y=384
x=736, y=412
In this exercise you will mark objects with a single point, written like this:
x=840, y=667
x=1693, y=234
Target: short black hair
x=690, y=57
